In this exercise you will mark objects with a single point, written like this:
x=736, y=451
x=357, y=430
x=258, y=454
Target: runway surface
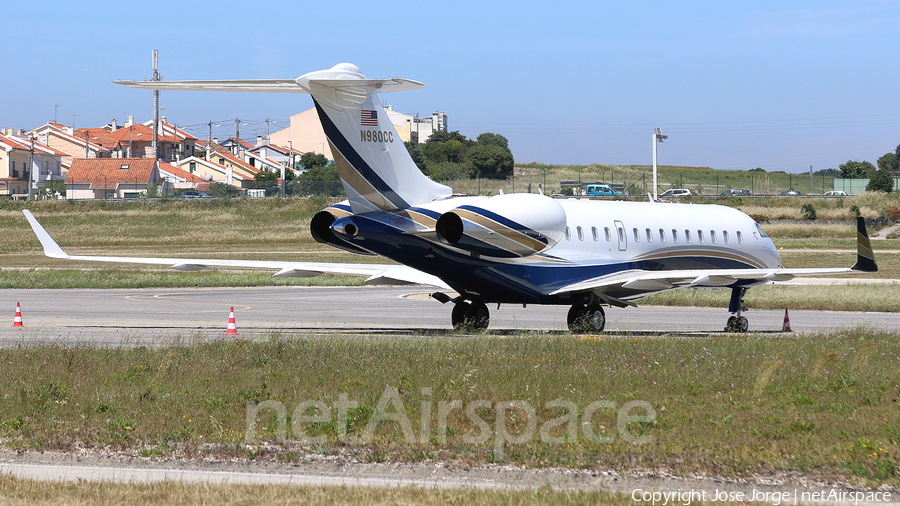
x=135, y=316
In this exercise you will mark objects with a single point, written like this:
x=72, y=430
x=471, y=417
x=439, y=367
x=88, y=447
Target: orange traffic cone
x=786, y=327
x=232, y=328
x=17, y=321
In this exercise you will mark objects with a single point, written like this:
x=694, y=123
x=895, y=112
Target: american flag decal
x=368, y=118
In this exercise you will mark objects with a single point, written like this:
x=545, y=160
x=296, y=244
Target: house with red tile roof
x=18, y=163
x=222, y=167
x=271, y=155
x=175, y=143
x=62, y=138
x=100, y=178
x=173, y=179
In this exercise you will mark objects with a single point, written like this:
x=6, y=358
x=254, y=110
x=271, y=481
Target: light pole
x=657, y=137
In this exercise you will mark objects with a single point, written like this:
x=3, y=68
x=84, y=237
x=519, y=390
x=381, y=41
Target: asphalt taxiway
x=118, y=316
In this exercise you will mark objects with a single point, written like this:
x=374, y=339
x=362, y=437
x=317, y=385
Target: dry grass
x=20, y=491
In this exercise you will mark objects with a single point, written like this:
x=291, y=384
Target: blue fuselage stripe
x=511, y=282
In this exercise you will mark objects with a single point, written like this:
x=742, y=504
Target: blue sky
x=780, y=85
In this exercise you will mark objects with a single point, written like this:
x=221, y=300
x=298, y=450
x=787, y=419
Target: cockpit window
x=761, y=232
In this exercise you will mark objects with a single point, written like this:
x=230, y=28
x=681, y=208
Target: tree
x=223, y=190
x=444, y=136
x=887, y=162
x=490, y=159
x=827, y=173
x=881, y=182
x=328, y=172
x=310, y=160
x=415, y=152
x=492, y=139
x=266, y=175
x=853, y=169
x=453, y=151
x=897, y=158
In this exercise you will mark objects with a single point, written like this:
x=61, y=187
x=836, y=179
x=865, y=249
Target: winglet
x=865, y=258
x=51, y=249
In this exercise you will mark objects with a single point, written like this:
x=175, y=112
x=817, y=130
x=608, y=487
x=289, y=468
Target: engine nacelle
x=320, y=228
x=505, y=226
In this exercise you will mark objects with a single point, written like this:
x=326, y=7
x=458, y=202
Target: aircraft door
x=622, y=236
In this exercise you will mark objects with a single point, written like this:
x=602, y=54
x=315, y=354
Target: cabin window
x=649, y=235
x=687, y=236
x=606, y=232
x=621, y=234
x=725, y=236
x=712, y=236
x=700, y=236
x=595, y=234
x=674, y=235
x=637, y=235
x=568, y=234
x=662, y=235
x=580, y=233
x=740, y=237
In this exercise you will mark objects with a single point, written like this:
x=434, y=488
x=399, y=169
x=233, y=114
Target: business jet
x=518, y=248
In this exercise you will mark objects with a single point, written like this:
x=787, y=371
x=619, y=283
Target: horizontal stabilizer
x=365, y=87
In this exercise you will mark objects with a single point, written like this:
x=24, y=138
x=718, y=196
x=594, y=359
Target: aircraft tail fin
x=376, y=169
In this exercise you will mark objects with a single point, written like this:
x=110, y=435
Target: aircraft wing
x=632, y=283
x=377, y=273
x=654, y=281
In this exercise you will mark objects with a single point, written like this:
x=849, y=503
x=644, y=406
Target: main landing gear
x=736, y=322
x=586, y=319
x=470, y=316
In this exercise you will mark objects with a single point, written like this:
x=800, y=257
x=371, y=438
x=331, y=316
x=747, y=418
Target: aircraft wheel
x=478, y=316
x=730, y=324
x=466, y=316
x=458, y=315
x=583, y=319
x=737, y=324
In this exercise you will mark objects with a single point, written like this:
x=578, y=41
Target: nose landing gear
x=736, y=322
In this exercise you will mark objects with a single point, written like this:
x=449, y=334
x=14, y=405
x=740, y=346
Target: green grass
x=858, y=297
x=638, y=179
x=152, y=278
x=822, y=405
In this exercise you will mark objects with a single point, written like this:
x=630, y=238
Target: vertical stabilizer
x=374, y=165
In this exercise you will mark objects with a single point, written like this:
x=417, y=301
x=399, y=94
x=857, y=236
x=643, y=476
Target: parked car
x=194, y=194
x=601, y=190
x=836, y=193
x=735, y=193
x=676, y=193
x=790, y=193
